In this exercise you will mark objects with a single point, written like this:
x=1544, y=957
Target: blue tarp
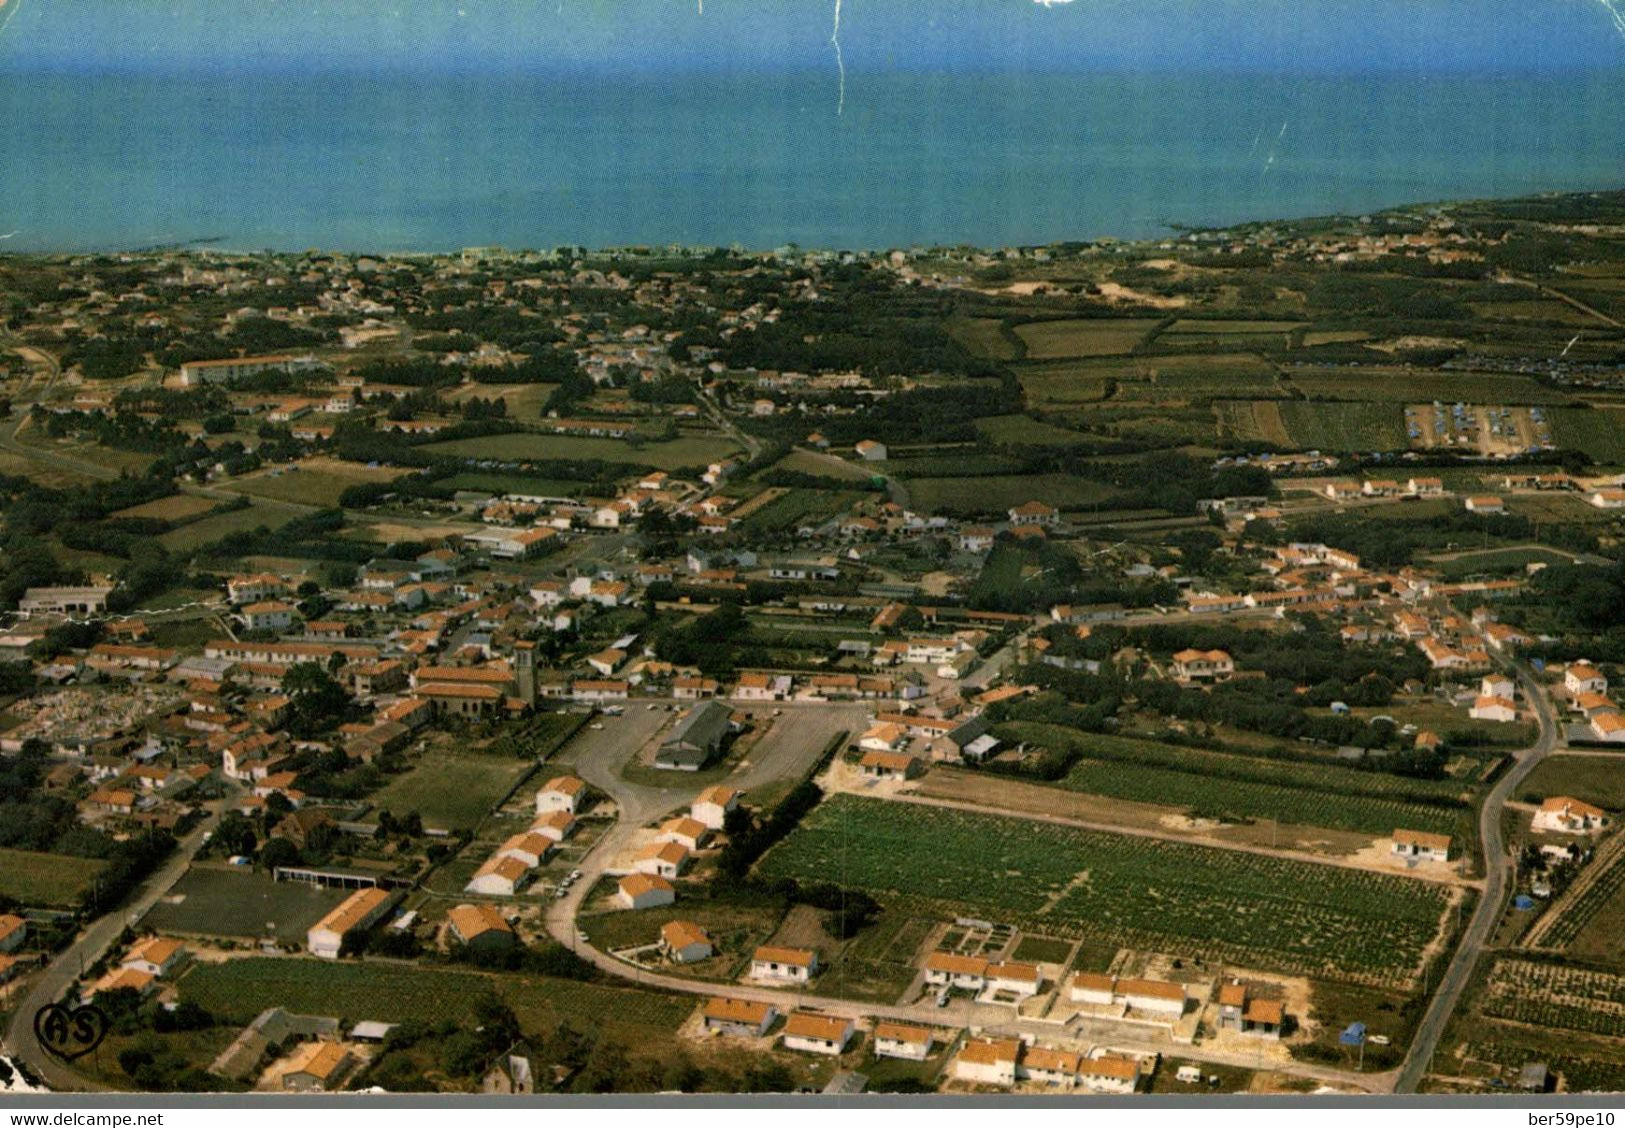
x=1354, y=1035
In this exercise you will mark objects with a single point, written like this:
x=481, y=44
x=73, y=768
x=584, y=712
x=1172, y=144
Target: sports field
x=452, y=792
x=241, y=904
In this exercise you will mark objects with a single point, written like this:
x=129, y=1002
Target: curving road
x=91, y=945
x=1497, y=882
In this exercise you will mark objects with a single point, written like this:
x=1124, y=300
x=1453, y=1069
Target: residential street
x=1497, y=878
x=92, y=944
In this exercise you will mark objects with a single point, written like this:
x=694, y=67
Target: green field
x=686, y=452
x=799, y=507
x=1599, y=780
x=1499, y=561
x=239, y=989
x=175, y=507
x=1214, y=328
x=1345, y=426
x=1060, y=384
x=1141, y=892
x=46, y=880
x=1599, y=432
x=1233, y=799
x=1025, y=431
x=1411, y=385
x=242, y=904
x=452, y=792
x=984, y=337
x=994, y=494
x=1323, y=777
x=209, y=529
x=1107, y=336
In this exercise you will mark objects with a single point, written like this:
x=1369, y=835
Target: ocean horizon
x=403, y=162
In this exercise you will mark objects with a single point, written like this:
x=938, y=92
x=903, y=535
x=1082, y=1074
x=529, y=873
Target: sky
x=1325, y=36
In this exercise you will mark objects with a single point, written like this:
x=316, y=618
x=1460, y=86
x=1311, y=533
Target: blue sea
x=413, y=162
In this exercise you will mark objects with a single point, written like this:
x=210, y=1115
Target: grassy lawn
x=209, y=529
x=240, y=989
x=452, y=792
x=1599, y=780
x=46, y=880
x=241, y=904
x=686, y=452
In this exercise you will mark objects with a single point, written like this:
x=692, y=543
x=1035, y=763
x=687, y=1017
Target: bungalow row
x=1005, y=1061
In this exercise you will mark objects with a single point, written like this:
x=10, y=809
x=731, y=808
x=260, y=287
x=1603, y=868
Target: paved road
x=92, y=944
x=1497, y=879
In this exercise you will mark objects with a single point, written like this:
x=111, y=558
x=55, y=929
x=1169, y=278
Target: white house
x=562, y=793
x=685, y=942
x=662, y=859
x=1203, y=665
x=901, y=1040
x=946, y=969
x=870, y=450
x=689, y=833
x=1608, y=728
x=500, y=876
x=817, y=1033
x=645, y=891
x=1420, y=844
x=158, y=956
x=789, y=965
x=1034, y=513
x=1020, y=979
x=1563, y=815
x=1583, y=677
x=988, y=1061
x=1485, y=503
x=713, y=805
x=357, y=912
x=739, y=1016
x=1109, y=1073
x=268, y=615
x=528, y=847
x=1492, y=708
